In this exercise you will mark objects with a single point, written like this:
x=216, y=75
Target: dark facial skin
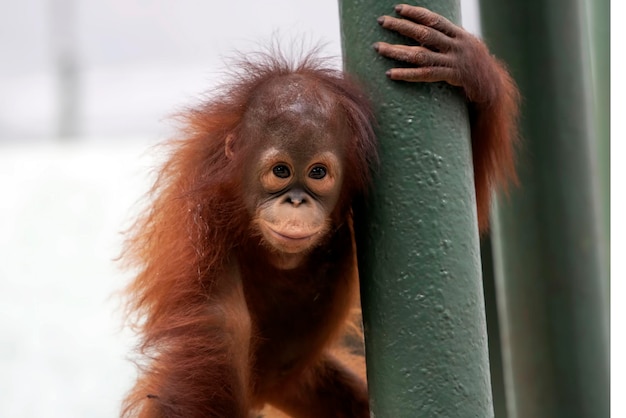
x=298, y=137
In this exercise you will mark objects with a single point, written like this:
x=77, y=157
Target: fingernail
x=375, y=46
x=381, y=20
x=398, y=8
x=388, y=73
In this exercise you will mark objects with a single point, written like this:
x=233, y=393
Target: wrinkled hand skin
x=446, y=53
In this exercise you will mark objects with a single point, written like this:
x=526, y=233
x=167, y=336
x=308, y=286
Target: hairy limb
x=448, y=53
x=328, y=389
x=202, y=365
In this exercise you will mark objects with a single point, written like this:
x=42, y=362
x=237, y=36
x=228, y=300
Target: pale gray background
x=136, y=60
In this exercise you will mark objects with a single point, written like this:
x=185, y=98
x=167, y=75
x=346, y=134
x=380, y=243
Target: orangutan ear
x=228, y=147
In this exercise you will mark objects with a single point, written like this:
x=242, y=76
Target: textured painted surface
x=419, y=256
x=549, y=255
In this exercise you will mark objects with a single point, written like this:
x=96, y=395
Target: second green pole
x=549, y=246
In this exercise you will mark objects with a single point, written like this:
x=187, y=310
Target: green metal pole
x=419, y=259
x=548, y=248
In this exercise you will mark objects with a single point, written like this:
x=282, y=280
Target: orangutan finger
x=427, y=18
x=426, y=74
x=416, y=55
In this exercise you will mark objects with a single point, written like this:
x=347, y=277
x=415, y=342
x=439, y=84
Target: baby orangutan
x=246, y=256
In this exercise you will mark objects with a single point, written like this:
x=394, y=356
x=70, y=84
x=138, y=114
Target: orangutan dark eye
x=317, y=172
x=281, y=171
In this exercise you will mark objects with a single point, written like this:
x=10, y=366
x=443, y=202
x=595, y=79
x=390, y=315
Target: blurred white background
x=85, y=89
